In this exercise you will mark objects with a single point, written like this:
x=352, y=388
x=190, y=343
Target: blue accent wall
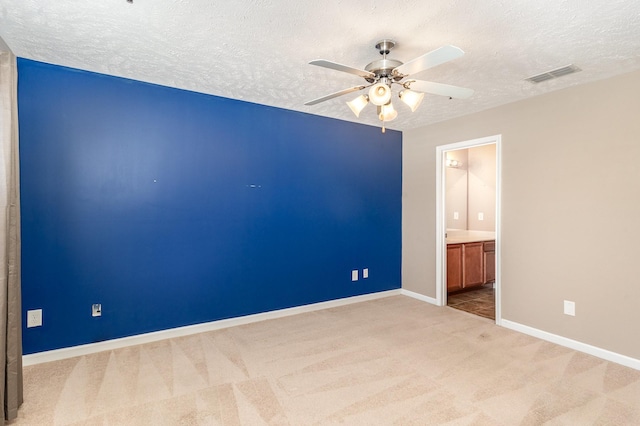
x=173, y=208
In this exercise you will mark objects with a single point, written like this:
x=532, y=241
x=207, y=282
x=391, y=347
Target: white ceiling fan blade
x=344, y=68
x=335, y=95
x=441, y=89
x=429, y=60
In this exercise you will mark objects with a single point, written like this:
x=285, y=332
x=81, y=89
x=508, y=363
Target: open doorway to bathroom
x=468, y=226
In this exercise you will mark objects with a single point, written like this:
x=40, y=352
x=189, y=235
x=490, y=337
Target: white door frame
x=441, y=245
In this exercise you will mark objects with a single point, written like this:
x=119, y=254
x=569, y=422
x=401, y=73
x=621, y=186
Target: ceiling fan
x=382, y=74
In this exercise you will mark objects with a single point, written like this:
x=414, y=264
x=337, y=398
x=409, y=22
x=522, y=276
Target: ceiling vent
x=558, y=72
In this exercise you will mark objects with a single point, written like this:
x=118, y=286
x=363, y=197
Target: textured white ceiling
x=258, y=50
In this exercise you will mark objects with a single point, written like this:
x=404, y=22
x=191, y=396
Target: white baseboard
x=574, y=344
x=58, y=354
x=419, y=296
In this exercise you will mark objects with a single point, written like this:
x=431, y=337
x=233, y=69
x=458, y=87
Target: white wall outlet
x=96, y=310
x=456, y=215
x=354, y=275
x=34, y=318
x=480, y=216
x=570, y=308
x=365, y=273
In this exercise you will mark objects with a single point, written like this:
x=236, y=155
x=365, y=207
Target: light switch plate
x=34, y=318
x=456, y=215
x=365, y=273
x=480, y=216
x=354, y=275
x=570, y=308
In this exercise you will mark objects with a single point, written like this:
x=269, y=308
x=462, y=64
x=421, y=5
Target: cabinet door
x=489, y=262
x=454, y=267
x=473, y=262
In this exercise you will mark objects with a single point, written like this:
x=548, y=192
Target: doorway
x=468, y=231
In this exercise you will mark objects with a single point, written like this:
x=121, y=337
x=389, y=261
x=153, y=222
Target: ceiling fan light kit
x=380, y=94
x=382, y=74
x=387, y=112
x=411, y=98
x=358, y=104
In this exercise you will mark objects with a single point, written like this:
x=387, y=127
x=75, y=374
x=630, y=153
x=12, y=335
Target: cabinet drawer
x=489, y=246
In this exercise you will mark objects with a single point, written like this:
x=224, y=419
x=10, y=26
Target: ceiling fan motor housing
x=383, y=68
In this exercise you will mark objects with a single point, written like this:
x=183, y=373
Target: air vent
x=558, y=72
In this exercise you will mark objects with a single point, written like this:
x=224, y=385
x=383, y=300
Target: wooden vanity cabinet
x=454, y=267
x=470, y=264
x=489, y=261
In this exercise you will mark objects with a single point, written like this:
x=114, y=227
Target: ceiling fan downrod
x=383, y=68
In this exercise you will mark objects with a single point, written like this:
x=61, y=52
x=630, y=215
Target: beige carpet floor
x=392, y=361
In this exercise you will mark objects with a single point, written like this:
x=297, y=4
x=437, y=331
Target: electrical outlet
x=570, y=308
x=354, y=275
x=96, y=310
x=34, y=318
x=365, y=273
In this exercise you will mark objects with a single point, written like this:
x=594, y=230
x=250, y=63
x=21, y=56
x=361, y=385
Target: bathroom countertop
x=458, y=236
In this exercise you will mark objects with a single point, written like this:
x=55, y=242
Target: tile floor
x=480, y=301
